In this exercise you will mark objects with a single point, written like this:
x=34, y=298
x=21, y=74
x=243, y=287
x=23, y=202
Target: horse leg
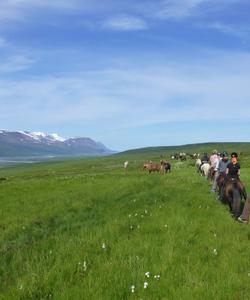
x=236, y=202
x=230, y=204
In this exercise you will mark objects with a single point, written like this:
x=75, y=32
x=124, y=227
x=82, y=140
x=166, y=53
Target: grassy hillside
x=86, y=229
x=243, y=148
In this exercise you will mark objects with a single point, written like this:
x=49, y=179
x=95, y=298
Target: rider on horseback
x=214, y=160
x=204, y=159
x=233, y=168
x=220, y=170
x=232, y=185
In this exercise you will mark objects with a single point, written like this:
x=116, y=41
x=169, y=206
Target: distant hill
x=242, y=147
x=25, y=143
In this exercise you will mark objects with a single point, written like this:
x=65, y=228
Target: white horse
x=197, y=164
x=205, y=169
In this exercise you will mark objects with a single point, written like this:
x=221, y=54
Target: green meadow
x=88, y=229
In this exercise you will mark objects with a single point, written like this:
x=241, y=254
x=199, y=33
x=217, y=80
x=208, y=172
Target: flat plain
x=88, y=229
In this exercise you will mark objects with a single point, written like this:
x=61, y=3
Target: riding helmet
x=224, y=154
x=234, y=154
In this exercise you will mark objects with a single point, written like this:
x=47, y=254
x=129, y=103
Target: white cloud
x=113, y=14
x=16, y=11
x=120, y=98
x=117, y=105
x=174, y=9
x=21, y=4
x=15, y=64
x=125, y=23
x=241, y=32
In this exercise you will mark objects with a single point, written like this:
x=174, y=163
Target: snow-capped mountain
x=25, y=143
x=41, y=136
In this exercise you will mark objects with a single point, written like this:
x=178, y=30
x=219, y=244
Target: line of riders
x=225, y=176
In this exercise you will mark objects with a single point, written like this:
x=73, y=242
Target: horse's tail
x=242, y=189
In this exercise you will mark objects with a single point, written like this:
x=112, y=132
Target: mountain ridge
x=26, y=143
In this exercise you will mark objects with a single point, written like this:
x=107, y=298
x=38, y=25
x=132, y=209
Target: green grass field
x=86, y=229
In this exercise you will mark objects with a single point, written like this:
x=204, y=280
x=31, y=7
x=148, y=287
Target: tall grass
x=87, y=229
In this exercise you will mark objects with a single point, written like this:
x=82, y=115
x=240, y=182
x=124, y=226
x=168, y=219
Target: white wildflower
x=147, y=274
x=146, y=211
x=157, y=277
x=84, y=266
x=103, y=246
x=215, y=252
x=145, y=284
x=132, y=288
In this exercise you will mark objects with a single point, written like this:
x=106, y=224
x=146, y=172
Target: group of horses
x=163, y=167
x=183, y=156
x=230, y=191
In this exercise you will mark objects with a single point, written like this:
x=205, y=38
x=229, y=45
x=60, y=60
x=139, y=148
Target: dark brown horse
x=166, y=166
x=232, y=192
x=220, y=181
x=211, y=173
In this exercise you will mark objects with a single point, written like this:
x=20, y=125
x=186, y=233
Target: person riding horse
x=220, y=174
x=214, y=160
x=233, y=189
x=204, y=159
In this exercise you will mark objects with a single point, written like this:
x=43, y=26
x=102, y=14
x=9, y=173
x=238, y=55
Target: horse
x=152, y=167
x=211, y=173
x=183, y=156
x=220, y=181
x=233, y=191
x=205, y=169
x=198, y=164
x=166, y=166
x=194, y=155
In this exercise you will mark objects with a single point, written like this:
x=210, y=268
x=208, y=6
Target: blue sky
x=127, y=73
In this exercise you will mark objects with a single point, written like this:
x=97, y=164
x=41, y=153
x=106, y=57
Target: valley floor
x=88, y=229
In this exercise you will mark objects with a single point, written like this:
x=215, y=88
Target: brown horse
x=152, y=167
x=162, y=167
x=232, y=192
x=166, y=166
x=211, y=173
x=220, y=181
